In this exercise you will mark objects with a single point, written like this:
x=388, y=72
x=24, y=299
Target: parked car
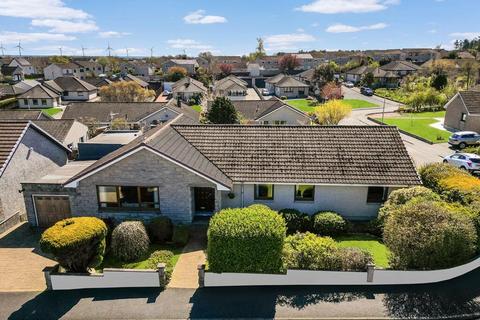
x=366, y=91
x=463, y=139
x=265, y=92
x=465, y=161
x=349, y=84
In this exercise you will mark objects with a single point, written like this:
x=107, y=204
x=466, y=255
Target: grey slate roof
x=23, y=114
x=471, y=100
x=38, y=92
x=400, y=65
x=57, y=128
x=339, y=155
x=289, y=81
x=69, y=84
x=188, y=84
x=130, y=77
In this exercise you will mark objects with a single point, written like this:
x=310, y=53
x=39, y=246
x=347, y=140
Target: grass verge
x=370, y=243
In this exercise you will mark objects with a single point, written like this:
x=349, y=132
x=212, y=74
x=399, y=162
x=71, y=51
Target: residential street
x=450, y=299
x=420, y=151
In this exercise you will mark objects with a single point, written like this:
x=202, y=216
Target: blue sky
x=193, y=26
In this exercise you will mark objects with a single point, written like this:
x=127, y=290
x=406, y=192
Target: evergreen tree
x=222, y=111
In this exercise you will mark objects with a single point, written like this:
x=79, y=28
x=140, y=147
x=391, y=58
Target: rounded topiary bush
x=246, y=240
x=327, y=223
x=160, y=229
x=308, y=251
x=76, y=243
x=429, y=235
x=295, y=220
x=130, y=241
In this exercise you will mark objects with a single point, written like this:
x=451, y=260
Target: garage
x=51, y=208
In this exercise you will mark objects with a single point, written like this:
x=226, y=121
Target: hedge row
x=325, y=223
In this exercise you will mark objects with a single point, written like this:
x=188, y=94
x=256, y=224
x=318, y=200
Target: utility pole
x=83, y=51
x=151, y=52
x=109, y=49
x=2, y=48
x=19, y=46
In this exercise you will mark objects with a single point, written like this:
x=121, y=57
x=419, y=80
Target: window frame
x=119, y=207
x=384, y=195
x=463, y=117
x=255, y=192
x=296, y=199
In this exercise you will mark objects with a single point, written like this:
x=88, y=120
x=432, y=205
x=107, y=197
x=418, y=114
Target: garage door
x=51, y=209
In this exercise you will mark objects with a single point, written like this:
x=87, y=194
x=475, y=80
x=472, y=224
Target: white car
x=465, y=161
x=265, y=92
x=348, y=84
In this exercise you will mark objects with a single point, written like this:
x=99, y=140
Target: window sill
x=133, y=210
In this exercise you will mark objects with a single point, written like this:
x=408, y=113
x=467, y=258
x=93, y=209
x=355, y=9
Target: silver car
x=464, y=161
x=463, y=139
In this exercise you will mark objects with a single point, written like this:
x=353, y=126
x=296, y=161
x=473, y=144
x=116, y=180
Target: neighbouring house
x=272, y=111
x=138, y=68
x=183, y=171
x=39, y=96
x=137, y=80
x=23, y=114
x=69, y=132
x=105, y=143
x=99, y=82
x=189, y=64
x=24, y=64
x=72, y=89
x=283, y=85
x=136, y=114
x=306, y=61
x=188, y=88
x=230, y=87
x=355, y=75
x=78, y=69
x=26, y=152
x=15, y=73
x=463, y=112
x=401, y=68
x=381, y=77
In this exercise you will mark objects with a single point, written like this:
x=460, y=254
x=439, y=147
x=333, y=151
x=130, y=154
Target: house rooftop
x=57, y=128
x=62, y=174
x=471, y=100
x=115, y=137
x=61, y=84
x=22, y=114
x=39, y=92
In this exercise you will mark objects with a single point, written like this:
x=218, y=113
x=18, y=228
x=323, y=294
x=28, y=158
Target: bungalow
x=69, y=132
x=138, y=68
x=355, y=75
x=286, y=86
x=78, y=69
x=26, y=152
x=27, y=67
x=272, y=111
x=183, y=171
x=137, y=80
x=190, y=65
x=39, y=96
x=401, y=68
x=16, y=73
x=231, y=87
x=72, y=89
x=381, y=77
x=136, y=114
x=188, y=88
x=463, y=111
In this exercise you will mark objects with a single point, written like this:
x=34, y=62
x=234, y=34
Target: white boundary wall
x=110, y=278
x=309, y=277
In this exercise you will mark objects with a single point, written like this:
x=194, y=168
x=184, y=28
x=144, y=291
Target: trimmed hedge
x=429, y=235
x=295, y=220
x=246, y=240
x=160, y=229
x=181, y=234
x=328, y=223
x=130, y=241
x=76, y=243
x=354, y=259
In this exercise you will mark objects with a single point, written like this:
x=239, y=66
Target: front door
x=204, y=200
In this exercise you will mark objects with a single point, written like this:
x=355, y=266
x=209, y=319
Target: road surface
x=420, y=152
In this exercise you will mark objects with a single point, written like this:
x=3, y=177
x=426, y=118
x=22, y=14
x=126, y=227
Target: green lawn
x=51, y=111
x=111, y=262
x=437, y=114
x=304, y=104
x=197, y=107
x=419, y=126
x=368, y=242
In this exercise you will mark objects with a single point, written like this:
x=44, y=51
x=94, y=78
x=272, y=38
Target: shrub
x=130, y=241
x=259, y=206
x=76, y=243
x=354, y=259
x=160, y=229
x=400, y=197
x=246, y=240
x=328, y=223
x=295, y=220
x=429, y=235
x=309, y=252
x=283, y=98
x=431, y=174
x=181, y=235
x=159, y=256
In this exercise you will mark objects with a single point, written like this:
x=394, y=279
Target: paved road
x=448, y=299
x=420, y=151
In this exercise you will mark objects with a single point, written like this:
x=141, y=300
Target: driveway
x=21, y=262
x=420, y=152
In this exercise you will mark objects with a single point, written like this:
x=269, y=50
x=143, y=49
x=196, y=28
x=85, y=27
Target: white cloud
x=199, y=17
x=465, y=35
x=343, y=28
x=63, y=26
x=344, y=6
x=131, y=51
x=288, y=41
x=188, y=44
x=113, y=34
x=40, y=9
x=7, y=37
